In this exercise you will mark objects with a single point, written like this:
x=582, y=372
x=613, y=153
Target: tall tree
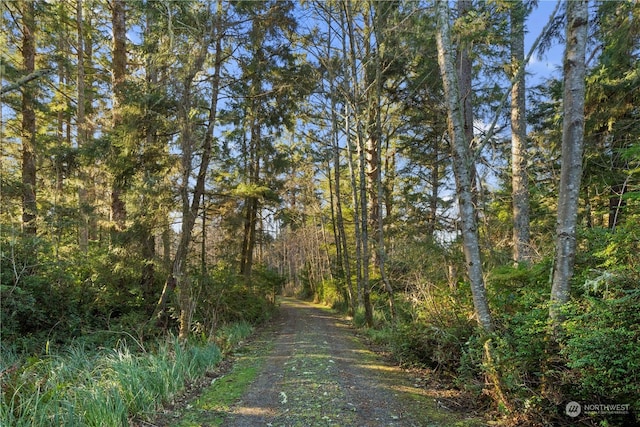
x=212, y=32
x=342, y=248
x=82, y=127
x=464, y=66
x=611, y=97
x=118, y=76
x=462, y=164
x=382, y=14
x=572, y=149
x=353, y=128
x=28, y=134
x=266, y=99
x=519, y=171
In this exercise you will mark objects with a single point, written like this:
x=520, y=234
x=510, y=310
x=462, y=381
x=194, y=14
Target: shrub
x=603, y=349
x=432, y=330
x=226, y=297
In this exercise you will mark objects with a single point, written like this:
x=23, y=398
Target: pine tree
x=28, y=127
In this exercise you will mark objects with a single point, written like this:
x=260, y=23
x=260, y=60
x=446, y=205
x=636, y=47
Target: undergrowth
x=518, y=373
x=97, y=387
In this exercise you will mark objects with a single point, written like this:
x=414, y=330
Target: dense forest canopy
x=173, y=165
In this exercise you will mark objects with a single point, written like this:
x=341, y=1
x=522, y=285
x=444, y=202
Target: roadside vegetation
x=103, y=374
x=168, y=167
x=525, y=381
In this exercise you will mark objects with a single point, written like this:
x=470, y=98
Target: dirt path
x=310, y=369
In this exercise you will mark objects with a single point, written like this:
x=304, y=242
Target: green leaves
x=603, y=348
x=252, y=190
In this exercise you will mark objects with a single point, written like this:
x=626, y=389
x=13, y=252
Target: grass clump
x=99, y=387
x=230, y=335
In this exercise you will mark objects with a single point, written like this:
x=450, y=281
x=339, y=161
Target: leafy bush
x=603, y=349
x=431, y=331
x=225, y=297
x=63, y=294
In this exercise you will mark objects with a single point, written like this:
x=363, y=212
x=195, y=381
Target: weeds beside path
x=309, y=369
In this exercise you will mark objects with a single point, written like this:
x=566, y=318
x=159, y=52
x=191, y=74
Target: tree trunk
x=463, y=166
x=359, y=184
x=252, y=204
x=346, y=263
x=119, y=72
x=356, y=210
x=28, y=136
x=572, y=148
x=381, y=253
x=83, y=228
x=249, y=239
x=465, y=69
x=617, y=203
x=176, y=279
x=342, y=248
x=519, y=176
x=147, y=236
x=434, y=180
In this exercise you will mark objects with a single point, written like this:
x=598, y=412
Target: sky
x=550, y=64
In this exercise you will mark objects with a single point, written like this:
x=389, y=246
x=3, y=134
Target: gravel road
x=307, y=367
x=318, y=373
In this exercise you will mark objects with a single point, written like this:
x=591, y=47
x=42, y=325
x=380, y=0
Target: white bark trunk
x=572, y=148
x=463, y=165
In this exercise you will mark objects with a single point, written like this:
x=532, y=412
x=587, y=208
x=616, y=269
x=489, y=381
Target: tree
x=212, y=32
x=519, y=171
x=353, y=128
x=572, y=149
x=28, y=134
x=265, y=100
x=82, y=127
x=330, y=63
x=610, y=122
x=118, y=77
x=462, y=165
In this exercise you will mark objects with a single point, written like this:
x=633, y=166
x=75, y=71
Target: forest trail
x=308, y=368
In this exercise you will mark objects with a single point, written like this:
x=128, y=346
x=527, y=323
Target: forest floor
x=308, y=367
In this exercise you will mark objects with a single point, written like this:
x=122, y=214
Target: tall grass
x=232, y=334
x=79, y=387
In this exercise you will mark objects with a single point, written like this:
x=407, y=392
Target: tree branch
x=24, y=80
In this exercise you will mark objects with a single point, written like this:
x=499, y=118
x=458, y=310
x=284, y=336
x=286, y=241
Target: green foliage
x=96, y=388
x=36, y=289
x=64, y=297
x=603, y=348
x=230, y=335
x=518, y=355
x=225, y=297
x=439, y=347
x=329, y=291
x=359, y=318
x=513, y=290
x=620, y=249
x=429, y=333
